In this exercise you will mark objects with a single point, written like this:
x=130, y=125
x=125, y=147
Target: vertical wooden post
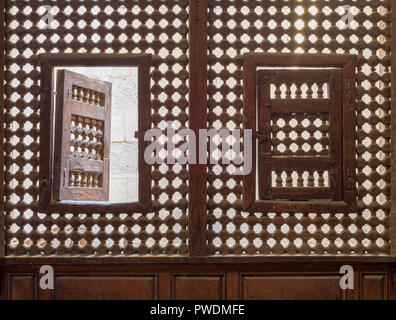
x=198, y=114
x=164, y=286
x=393, y=131
x=2, y=61
x=232, y=286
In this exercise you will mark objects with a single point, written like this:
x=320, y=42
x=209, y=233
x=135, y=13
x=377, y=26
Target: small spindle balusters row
x=85, y=179
x=290, y=178
x=309, y=90
x=88, y=96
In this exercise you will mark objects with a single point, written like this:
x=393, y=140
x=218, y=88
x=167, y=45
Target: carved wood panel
x=291, y=287
x=267, y=281
x=106, y=287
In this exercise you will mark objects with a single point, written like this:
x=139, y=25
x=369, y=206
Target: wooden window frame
x=347, y=62
x=48, y=62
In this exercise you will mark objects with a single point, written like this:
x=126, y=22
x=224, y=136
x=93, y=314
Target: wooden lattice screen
x=236, y=27
x=161, y=27
x=156, y=27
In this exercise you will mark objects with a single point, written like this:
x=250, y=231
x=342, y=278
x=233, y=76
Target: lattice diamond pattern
x=157, y=27
x=309, y=26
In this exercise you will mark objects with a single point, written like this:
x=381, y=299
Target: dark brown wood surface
x=291, y=287
x=336, y=129
x=198, y=280
x=375, y=286
x=303, y=105
x=264, y=129
x=22, y=287
x=304, y=163
x=198, y=287
x=107, y=287
x=197, y=111
x=349, y=134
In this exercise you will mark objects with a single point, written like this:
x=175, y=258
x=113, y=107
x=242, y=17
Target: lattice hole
x=292, y=178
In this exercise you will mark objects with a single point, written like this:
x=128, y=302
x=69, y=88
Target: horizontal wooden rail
x=299, y=105
x=299, y=76
x=300, y=163
x=301, y=193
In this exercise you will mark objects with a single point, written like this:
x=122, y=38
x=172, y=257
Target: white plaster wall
x=124, y=123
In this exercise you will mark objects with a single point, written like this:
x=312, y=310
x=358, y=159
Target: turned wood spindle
x=320, y=90
x=321, y=178
x=298, y=90
x=278, y=91
x=289, y=178
x=309, y=90
x=311, y=179
x=278, y=180
x=300, y=179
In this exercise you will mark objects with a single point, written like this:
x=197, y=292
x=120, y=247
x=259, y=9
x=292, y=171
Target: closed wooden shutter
x=82, y=138
x=300, y=134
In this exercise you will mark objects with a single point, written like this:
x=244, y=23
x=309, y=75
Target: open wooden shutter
x=82, y=138
x=300, y=134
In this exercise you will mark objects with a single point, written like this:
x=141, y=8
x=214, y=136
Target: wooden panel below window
x=22, y=287
x=291, y=288
x=106, y=288
x=374, y=286
x=199, y=287
x=152, y=282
